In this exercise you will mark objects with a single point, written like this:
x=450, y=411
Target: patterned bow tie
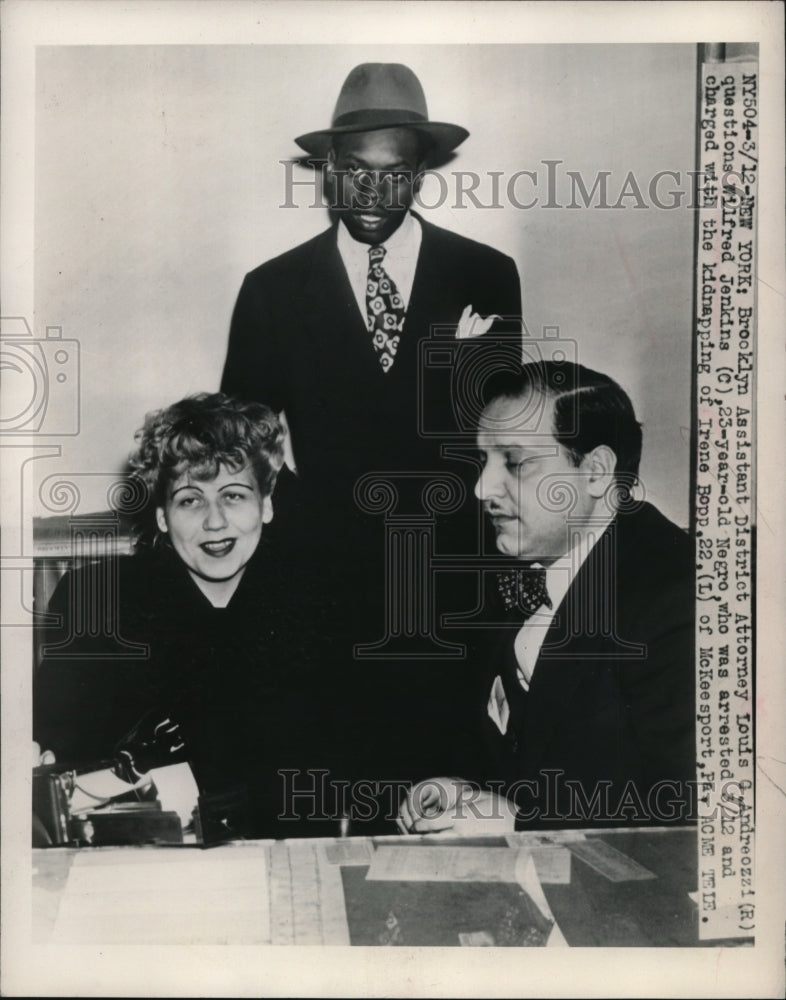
x=524, y=589
x=384, y=309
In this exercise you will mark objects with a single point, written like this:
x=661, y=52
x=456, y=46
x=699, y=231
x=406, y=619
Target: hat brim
x=443, y=136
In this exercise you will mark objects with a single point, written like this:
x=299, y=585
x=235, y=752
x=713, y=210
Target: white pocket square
x=472, y=325
x=498, y=709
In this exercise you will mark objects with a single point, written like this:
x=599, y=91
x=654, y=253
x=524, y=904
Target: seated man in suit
x=584, y=706
x=331, y=333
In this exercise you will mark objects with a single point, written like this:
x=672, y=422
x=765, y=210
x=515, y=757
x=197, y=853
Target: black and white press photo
x=391, y=498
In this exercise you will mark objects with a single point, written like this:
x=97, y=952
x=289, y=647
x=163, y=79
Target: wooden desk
x=315, y=892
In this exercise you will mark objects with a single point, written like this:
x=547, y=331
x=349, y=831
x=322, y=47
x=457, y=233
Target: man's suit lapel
x=330, y=314
x=427, y=288
x=569, y=656
x=432, y=298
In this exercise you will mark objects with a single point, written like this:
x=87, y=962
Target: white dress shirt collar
x=401, y=258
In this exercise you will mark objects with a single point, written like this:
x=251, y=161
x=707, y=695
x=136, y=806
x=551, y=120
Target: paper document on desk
x=445, y=864
x=349, y=852
x=95, y=788
x=177, y=789
x=175, y=896
x=307, y=896
x=552, y=864
x=555, y=838
x=469, y=864
x=531, y=885
x=609, y=862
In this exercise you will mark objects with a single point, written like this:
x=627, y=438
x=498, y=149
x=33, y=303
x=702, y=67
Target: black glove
x=155, y=741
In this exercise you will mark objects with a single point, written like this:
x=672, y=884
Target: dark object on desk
x=222, y=816
x=134, y=823
x=51, y=814
x=53, y=788
x=135, y=817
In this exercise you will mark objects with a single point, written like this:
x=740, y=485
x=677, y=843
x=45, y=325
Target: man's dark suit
x=612, y=694
x=299, y=343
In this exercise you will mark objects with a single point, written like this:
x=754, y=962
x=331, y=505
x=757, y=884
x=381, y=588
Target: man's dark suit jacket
x=612, y=695
x=299, y=343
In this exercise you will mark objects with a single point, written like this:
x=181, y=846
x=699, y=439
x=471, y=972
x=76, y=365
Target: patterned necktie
x=523, y=589
x=384, y=308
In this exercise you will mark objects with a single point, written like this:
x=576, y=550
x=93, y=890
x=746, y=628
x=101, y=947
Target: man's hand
x=441, y=805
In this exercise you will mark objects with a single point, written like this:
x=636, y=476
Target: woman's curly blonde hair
x=200, y=434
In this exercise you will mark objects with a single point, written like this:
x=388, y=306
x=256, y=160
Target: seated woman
x=200, y=632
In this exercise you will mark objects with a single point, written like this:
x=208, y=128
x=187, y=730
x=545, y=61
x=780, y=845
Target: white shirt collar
x=407, y=234
x=401, y=258
x=404, y=243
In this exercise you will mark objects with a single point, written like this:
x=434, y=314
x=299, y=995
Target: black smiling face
x=375, y=178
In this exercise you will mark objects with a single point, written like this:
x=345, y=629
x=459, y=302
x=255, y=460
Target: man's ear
x=599, y=465
x=267, y=510
x=330, y=166
x=420, y=176
x=161, y=520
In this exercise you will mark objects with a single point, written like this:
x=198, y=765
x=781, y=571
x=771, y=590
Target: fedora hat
x=382, y=95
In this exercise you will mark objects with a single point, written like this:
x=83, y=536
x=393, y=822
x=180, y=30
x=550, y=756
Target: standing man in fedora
x=330, y=333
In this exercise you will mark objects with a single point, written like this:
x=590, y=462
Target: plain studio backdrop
x=159, y=184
